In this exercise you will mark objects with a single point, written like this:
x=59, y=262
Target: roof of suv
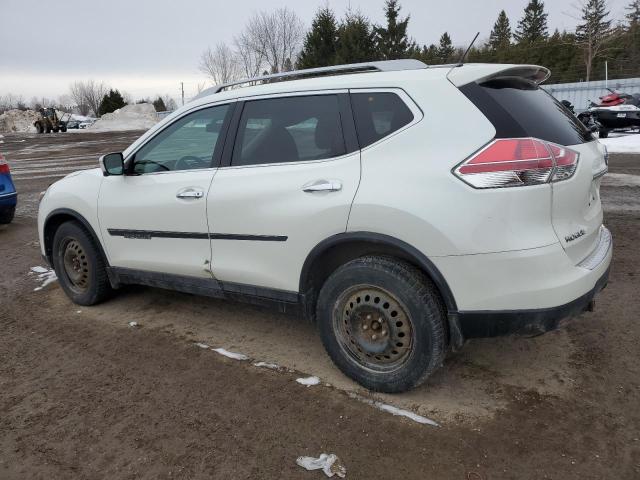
x=362, y=75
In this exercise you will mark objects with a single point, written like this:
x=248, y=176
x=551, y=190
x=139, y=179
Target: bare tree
x=169, y=102
x=252, y=61
x=93, y=94
x=220, y=64
x=275, y=37
x=77, y=93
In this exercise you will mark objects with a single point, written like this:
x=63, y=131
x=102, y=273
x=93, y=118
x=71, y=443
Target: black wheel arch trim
x=83, y=221
x=381, y=239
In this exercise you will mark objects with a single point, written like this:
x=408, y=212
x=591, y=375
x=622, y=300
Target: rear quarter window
x=378, y=115
x=520, y=108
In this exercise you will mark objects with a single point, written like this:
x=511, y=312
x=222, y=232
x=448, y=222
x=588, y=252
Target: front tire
x=382, y=323
x=79, y=265
x=603, y=133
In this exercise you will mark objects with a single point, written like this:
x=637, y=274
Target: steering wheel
x=190, y=162
x=151, y=162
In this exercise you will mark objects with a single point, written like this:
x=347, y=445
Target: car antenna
x=464, y=56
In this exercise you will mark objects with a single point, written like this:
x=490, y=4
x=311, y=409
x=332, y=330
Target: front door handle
x=322, y=186
x=190, y=194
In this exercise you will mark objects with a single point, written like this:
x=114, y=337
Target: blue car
x=8, y=194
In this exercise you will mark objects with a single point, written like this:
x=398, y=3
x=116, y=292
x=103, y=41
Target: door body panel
x=146, y=227
x=270, y=201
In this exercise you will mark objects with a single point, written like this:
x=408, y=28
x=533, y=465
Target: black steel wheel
x=77, y=269
x=374, y=328
x=79, y=265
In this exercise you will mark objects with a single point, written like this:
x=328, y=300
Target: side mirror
x=112, y=164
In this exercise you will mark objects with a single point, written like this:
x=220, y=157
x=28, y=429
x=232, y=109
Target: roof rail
x=383, y=66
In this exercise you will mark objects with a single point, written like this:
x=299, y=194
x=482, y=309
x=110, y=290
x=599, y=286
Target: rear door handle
x=322, y=186
x=190, y=194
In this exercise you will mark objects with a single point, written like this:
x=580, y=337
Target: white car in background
x=404, y=208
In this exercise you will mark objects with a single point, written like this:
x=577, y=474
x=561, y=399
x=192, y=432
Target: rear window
x=378, y=115
x=520, y=108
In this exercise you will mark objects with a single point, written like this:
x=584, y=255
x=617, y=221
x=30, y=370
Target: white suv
x=402, y=207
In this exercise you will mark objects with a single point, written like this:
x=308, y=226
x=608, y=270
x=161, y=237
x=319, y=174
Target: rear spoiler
x=465, y=74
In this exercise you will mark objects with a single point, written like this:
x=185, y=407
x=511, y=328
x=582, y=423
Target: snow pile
x=141, y=116
x=18, y=121
x=623, y=144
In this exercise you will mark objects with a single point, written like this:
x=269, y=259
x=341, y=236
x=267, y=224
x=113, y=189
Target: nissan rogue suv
x=403, y=208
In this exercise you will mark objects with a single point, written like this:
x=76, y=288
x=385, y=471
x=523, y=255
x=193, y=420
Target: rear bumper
x=524, y=292
x=8, y=199
x=526, y=322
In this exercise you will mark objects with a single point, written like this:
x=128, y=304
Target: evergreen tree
x=159, y=105
x=501, y=34
x=111, y=102
x=593, y=34
x=355, y=40
x=445, y=50
x=393, y=42
x=320, y=44
x=533, y=26
x=633, y=17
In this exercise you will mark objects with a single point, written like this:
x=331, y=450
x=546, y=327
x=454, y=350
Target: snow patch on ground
x=140, y=116
x=385, y=407
x=204, y=346
x=270, y=366
x=133, y=324
x=44, y=275
x=233, y=355
x=623, y=144
x=308, y=381
x=330, y=464
x=404, y=413
x=621, y=180
x=18, y=121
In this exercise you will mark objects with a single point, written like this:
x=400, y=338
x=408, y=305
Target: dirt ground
x=84, y=395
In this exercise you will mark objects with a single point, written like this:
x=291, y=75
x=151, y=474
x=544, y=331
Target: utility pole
x=182, y=88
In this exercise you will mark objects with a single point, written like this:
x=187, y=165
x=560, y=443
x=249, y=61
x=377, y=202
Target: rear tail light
x=518, y=162
x=4, y=166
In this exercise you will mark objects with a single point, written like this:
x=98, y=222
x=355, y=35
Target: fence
x=581, y=93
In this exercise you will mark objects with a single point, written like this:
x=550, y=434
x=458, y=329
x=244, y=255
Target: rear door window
x=378, y=115
x=290, y=129
x=520, y=108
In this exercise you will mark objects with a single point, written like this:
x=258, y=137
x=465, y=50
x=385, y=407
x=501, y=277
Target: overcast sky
x=145, y=47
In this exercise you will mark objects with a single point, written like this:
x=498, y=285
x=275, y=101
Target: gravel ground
x=85, y=395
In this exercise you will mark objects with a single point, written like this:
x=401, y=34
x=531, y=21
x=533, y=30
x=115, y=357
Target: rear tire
x=79, y=265
x=382, y=323
x=7, y=214
x=39, y=128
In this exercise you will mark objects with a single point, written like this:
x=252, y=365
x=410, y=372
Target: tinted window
x=186, y=144
x=291, y=129
x=378, y=115
x=520, y=108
